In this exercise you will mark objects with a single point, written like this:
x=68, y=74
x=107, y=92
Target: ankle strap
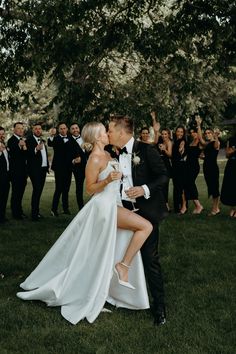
x=125, y=265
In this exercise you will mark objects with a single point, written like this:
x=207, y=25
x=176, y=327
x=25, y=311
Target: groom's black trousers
x=151, y=263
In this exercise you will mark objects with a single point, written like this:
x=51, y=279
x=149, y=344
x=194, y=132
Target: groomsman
x=79, y=160
x=4, y=176
x=18, y=170
x=62, y=167
x=37, y=163
x=145, y=176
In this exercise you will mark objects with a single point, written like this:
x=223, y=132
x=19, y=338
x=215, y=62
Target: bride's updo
x=90, y=133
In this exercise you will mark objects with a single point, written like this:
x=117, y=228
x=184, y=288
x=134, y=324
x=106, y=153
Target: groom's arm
x=156, y=169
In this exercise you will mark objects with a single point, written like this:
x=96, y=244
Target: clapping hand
x=198, y=120
x=2, y=147
x=22, y=144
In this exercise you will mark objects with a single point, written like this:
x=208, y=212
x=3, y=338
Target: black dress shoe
x=159, y=316
x=67, y=212
x=54, y=212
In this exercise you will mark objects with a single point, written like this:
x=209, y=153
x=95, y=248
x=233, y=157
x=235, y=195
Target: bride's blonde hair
x=90, y=133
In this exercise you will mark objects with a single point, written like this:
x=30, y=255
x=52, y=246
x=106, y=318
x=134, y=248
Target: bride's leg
x=141, y=227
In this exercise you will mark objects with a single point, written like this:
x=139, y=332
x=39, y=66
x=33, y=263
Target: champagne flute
x=132, y=200
x=115, y=164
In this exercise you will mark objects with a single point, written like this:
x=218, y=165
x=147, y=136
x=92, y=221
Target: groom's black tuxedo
x=151, y=171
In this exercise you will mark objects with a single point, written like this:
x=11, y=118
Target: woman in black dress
x=164, y=146
x=228, y=191
x=192, y=171
x=178, y=160
x=211, y=147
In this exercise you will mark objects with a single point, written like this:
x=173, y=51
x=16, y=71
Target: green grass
x=198, y=261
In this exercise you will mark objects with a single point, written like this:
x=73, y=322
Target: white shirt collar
x=18, y=137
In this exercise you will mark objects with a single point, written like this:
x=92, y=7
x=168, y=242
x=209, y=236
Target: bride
x=90, y=262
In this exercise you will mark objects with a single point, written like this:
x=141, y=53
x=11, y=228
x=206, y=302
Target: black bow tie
x=123, y=150
x=77, y=137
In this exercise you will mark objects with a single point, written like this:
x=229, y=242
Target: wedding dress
x=77, y=273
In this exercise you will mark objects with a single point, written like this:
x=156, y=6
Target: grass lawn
x=198, y=261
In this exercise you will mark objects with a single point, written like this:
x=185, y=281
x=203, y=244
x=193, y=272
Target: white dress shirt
x=125, y=161
x=43, y=152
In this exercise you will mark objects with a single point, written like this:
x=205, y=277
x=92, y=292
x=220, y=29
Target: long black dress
x=228, y=191
x=178, y=174
x=192, y=171
x=211, y=170
x=168, y=166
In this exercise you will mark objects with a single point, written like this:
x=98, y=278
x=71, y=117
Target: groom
x=144, y=178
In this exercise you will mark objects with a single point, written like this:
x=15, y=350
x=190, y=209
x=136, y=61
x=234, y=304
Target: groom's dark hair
x=124, y=122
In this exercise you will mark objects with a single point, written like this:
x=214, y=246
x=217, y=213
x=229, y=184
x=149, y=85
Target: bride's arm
x=93, y=168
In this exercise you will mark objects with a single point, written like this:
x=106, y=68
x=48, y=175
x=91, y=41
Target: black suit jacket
x=76, y=151
x=34, y=160
x=17, y=158
x=150, y=171
x=62, y=157
x=3, y=168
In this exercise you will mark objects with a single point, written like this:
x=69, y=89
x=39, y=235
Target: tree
x=103, y=56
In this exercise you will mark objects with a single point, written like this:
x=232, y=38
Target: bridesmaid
x=164, y=145
x=192, y=171
x=228, y=191
x=178, y=159
x=211, y=147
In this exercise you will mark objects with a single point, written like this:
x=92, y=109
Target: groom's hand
x=135, y=192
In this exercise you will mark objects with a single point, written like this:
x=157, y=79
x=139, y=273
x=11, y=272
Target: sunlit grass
x=198, y=261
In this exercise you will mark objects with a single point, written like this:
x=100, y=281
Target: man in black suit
x=37, y=163
x=18, y=170
x=62, y=167
x=144, y=176
x=4, y=176
x=79, y=160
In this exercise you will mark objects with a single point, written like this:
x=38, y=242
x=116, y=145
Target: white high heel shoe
x=122, y=282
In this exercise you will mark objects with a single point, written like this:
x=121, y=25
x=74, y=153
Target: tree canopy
x=129, y=56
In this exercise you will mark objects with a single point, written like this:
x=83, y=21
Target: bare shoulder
x=98, y=161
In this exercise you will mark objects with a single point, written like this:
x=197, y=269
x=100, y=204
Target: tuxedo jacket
x=17, y=158
x=62, y=157
x=34, y=160
x=76, y=151
x=150, y=170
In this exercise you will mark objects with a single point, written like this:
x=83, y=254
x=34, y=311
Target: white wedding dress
x=77, y=273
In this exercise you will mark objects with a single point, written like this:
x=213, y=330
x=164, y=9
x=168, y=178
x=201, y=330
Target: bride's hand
x=114, y=176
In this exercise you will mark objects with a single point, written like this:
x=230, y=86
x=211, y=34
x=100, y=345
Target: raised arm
x=156, y=127
x=198, y=120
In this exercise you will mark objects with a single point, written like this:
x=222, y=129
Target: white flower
x=136, y=159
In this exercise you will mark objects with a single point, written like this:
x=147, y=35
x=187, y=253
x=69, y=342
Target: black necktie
x=123, y=150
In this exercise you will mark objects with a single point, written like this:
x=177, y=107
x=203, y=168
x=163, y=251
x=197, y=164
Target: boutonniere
x=136, y=159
